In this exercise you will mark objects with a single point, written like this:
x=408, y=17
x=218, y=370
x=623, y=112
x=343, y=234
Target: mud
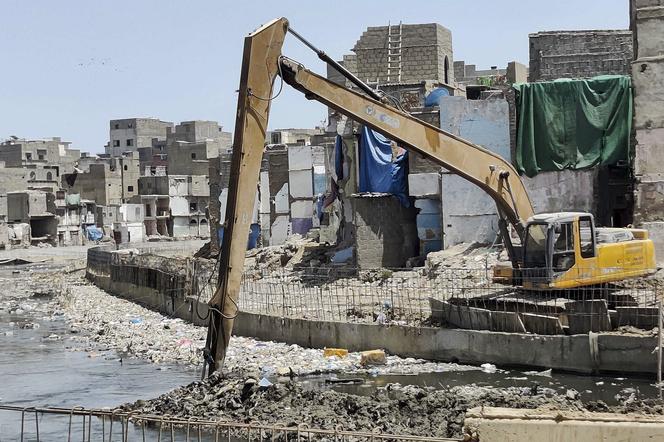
x=393, y=409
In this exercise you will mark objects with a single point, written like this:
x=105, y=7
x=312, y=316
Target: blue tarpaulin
x=379, y=171
x=94, y=233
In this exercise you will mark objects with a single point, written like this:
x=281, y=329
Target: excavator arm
x=262, y=62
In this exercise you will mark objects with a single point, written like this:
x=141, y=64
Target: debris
x=488, y=368
x=338, y=352
x=135, y=320
x=264, y=383
x=372, y=357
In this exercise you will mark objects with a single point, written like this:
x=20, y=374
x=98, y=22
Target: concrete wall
x=508, y=424
x=648, y=81
x=579, y=54
x=188, y=158
x=563, y=191
x=385, y=232
x=469, y=214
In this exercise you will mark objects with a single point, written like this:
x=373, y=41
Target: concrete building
x=131, y=133
x=647, y=24
x=37, y=209
x=74, y=217
x=188, y=204
x=108, y=182
x=468, y=74
x=579, y=54
x=292, y=136
x=199, y=130
x=404, y=53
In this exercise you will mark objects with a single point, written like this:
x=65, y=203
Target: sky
x=72, y=65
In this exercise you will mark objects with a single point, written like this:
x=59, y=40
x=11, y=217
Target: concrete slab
x=424, y=184
x=586, y=316
x=502, y=424
x=509, y=322
x=471, y=318
x=541, y=324
x=640, y=317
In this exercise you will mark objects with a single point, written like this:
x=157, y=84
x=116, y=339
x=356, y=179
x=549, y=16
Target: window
x=130, y=142
x=116, y=126
x=49, y=176
x=137, y=212
x=28, y=156
x=276, y=138
x=193, y=207
x=563, y=247
x=126, y=167
x=446, y=70
x=130, y=188
x=193, y=155
x=130, y=125
x=587, y=236
x=41, y=156
x=116, y=143
x=148, y=212
x=33, y=176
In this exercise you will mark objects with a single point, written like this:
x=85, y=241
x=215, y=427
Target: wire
x=281, y=87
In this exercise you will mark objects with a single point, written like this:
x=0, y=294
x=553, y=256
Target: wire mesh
x=454, y=297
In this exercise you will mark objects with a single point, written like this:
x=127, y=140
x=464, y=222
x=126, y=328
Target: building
x=292, y=136
x=404, y=53
x=107, y=182
x=131, y=133
x=468, y=74
x=647, y=24
x=38, y=210
x=579, y=54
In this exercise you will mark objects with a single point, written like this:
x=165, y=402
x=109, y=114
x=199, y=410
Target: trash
x=264, y=383
x=599, y=383
x=488, y=368
x=546, y=373
x=372, y=357
x=344, y=381
x=184, y=342
x=338, y=352
x=135, y=320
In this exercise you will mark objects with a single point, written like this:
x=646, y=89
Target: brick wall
x=579, y=54
x=385, y=232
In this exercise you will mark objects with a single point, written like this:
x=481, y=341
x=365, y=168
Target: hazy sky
x=72, y=65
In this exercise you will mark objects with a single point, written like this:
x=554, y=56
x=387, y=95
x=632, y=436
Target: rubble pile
x=394, y=409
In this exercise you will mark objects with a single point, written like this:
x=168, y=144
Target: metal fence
x=80, y=424
x=455, y=297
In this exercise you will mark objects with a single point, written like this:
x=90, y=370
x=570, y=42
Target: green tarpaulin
x=573, y=124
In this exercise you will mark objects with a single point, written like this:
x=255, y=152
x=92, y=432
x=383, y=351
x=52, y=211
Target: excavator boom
x=262, y=62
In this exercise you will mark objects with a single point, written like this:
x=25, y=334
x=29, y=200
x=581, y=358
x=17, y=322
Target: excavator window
x=587, y=233
x=535, y=246
x=563, y=247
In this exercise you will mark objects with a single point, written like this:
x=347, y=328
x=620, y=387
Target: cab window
x=563, y=247
x=587, y=236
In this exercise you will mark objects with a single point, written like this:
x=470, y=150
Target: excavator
x=554, y=250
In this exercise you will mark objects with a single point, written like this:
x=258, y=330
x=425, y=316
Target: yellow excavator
x=556, y=250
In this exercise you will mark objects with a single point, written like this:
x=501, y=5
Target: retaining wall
x=597, y=352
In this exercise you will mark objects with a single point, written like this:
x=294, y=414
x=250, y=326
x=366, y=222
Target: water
x=590, y=388
x=48, y=372
x=44, y=367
